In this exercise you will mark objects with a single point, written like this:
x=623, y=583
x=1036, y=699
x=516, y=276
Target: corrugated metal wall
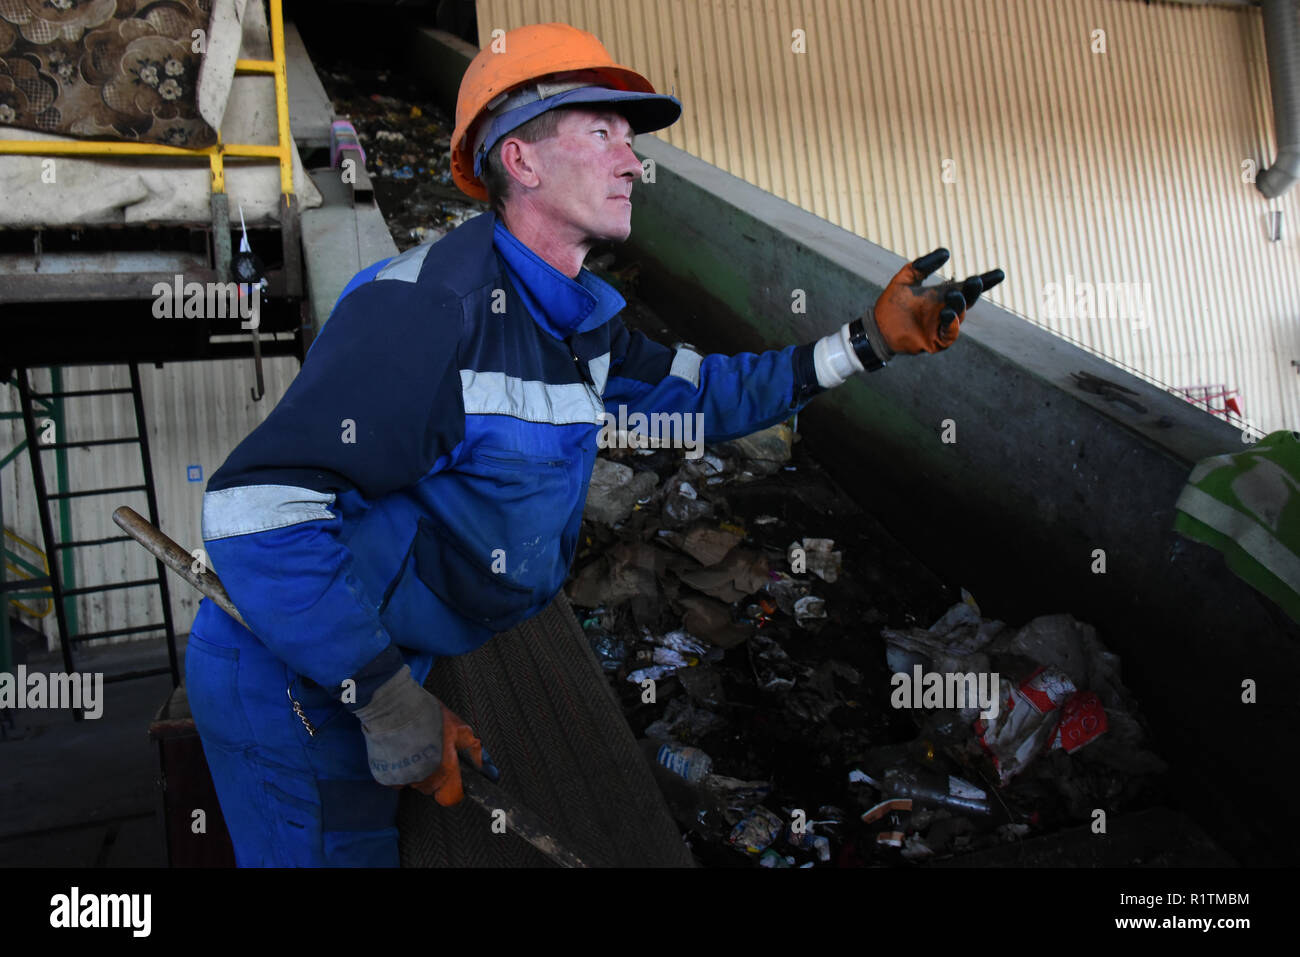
x=196, y=413
x=992, y=127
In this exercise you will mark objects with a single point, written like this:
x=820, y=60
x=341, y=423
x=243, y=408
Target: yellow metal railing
x=24, y=570
x=282, y=151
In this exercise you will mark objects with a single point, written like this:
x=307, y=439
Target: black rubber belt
x=540, y=704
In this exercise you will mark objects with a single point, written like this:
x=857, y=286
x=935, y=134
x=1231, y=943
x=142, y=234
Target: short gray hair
x=496, y=180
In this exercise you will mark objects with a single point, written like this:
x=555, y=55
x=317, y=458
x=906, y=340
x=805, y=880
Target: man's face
x=585, y=174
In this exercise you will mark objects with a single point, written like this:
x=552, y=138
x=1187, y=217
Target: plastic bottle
x=686, y=762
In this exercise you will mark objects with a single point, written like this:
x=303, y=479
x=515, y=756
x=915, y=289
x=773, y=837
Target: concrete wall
x=1000, y=129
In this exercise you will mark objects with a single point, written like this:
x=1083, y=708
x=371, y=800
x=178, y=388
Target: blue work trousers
x=290, y=798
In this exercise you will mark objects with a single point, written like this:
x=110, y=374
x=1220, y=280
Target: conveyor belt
x=537, y=698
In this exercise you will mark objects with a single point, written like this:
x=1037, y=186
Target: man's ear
x=519, y=160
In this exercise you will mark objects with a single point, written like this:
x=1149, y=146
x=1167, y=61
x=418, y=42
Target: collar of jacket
x=560, y=305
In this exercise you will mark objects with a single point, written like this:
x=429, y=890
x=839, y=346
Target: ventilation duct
x=1282, y=43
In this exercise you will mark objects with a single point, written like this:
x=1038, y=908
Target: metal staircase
x=38, y=409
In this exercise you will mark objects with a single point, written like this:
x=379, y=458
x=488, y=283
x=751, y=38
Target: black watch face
x=866, y=355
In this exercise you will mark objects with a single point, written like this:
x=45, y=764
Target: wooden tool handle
x=176, y=558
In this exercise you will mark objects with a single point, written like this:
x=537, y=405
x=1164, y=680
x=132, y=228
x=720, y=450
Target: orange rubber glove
x=911, y=318
x=444, y=785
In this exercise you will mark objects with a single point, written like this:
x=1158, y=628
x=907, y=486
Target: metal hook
x=260, y=390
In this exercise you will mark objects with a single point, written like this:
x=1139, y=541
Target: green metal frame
x=52, y=409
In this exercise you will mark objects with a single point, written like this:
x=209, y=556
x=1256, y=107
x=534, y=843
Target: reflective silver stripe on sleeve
x=406, y=267
x=686, y=365
x=599, y=367
x=257, y=508
x=495, y=393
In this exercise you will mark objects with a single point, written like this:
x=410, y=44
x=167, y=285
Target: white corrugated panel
x=196, y=413
x=1121, y=169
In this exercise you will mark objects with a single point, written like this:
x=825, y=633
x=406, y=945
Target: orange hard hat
x=526, y=55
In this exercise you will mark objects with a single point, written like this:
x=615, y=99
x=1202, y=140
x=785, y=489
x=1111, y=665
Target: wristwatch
x=862, y=347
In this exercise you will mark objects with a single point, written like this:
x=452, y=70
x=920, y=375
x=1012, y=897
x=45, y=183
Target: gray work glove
x=403, y=729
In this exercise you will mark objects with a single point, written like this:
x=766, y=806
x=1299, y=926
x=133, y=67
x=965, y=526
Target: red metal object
x=1203, y=395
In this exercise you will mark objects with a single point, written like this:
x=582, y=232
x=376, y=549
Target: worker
x=420, y=487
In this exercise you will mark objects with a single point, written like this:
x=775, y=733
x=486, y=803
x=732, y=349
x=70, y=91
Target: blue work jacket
x=420, y=486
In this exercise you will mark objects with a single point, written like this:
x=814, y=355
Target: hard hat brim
x=645, y=113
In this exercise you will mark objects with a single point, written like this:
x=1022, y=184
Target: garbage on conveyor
x=757, y=831
x=614, y=491
x=1059, y=688
x=806, y=840
x=684, y=720
x=816, y=556
x=714, y=582
x=405, y=143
